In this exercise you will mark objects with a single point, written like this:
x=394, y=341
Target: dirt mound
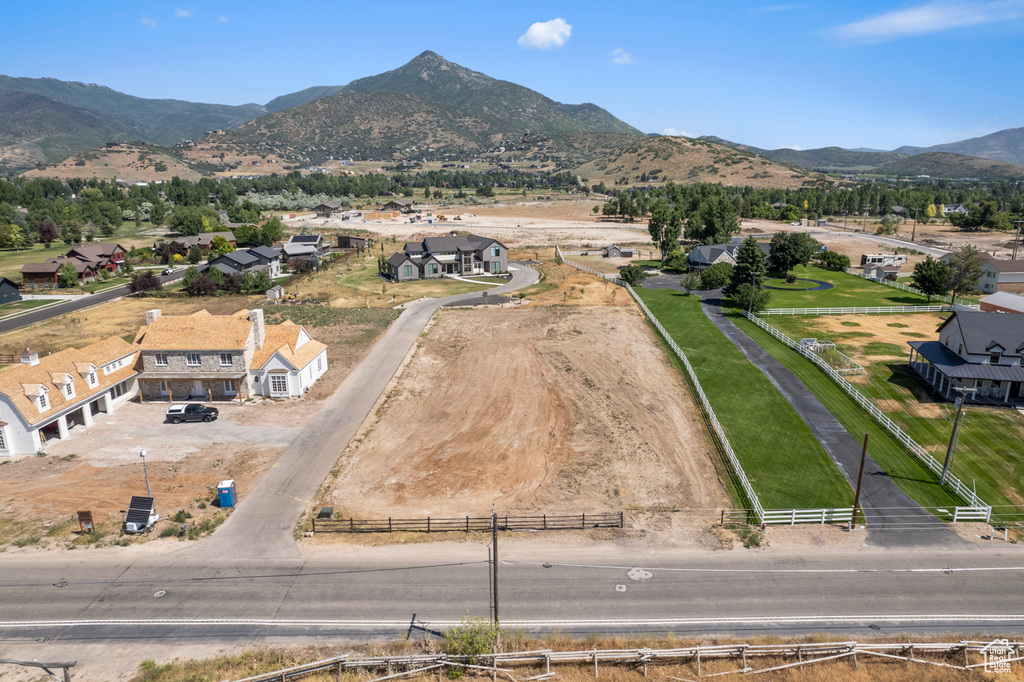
x=556, y=409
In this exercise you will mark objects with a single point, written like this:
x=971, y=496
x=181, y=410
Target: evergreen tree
x=751, y=266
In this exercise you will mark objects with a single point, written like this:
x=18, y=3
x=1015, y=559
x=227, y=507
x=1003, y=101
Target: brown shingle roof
x=283, y=338
x=198, y=331
x=19, y=382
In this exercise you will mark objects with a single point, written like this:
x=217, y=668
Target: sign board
x=85, y=521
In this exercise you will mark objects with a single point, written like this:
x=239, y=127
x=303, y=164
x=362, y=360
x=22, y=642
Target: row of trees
x=957, y=277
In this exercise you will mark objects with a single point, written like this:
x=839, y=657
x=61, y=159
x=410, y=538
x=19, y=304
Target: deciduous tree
x=931, y=277
x=964, y=271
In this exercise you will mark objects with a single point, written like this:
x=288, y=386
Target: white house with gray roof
x=463, y=255
x=979, y=350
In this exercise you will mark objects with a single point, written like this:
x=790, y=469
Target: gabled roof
x=295, y=249
x=289, y=340
x=198, y=331
x=242, y=257
x=397, y=258
x=401, y=201
x=1005, y=266
x=265, y=252
x=21, y=381
x=1004, y=299
x=470, y=242
x=952, y=365
x=97, y=250
x=305, y=239
x=982, y=330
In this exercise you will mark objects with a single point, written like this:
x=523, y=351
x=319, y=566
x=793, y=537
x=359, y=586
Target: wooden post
x=209, y=390
x=142, y=398
x=428, y=524
x=860, y=478
x=698, y=661
x=341, y=667
x=595, y=664
x=583, y=521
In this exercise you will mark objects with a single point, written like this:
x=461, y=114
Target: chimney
x=151, y=316
x=29, y=357
x=258, y=330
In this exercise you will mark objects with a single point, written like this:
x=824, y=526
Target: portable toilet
x=226, y=492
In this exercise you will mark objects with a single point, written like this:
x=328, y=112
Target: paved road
x=369, y=592
x=262, y=525
x=933, y=251
x=893, y=518
x=80, y=302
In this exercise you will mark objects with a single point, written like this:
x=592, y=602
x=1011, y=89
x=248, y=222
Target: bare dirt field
x=537, y=408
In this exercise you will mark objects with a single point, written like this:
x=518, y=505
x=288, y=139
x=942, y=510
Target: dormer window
x=43, y=404
x=91, y=379
x=69, y=388
x=994, y=358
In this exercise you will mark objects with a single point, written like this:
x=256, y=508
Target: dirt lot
x=542, y=408
x=99, y=469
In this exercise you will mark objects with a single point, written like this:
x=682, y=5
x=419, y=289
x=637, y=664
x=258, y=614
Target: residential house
x=332, y=209
x=975, y=350
x=223, y=357
x=401, y=204
x=1001, y=275
x=269, y=259
x=299, y=245
x=452, y=255
x=615, y=251
x=1002, y=302
x=109, y=256
x=45, y=398
x=8, y=291
x=202, y=240
x=950, y=209
x=880, y=272
x=709, y=254
x=234, y=263
x=349, y=242
x=45, y=274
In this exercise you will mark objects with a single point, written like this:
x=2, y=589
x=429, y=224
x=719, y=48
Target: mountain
x=947, y=165
x=1005, y=145
x=432, y=78
x=51, y=118
x=686, y=160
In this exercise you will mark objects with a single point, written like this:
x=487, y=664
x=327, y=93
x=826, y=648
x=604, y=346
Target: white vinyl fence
x=860, y=310
x=770, y=517
x=976, y=508
x=904, y=287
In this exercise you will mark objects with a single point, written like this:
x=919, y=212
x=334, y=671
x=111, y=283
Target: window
x=993, y=358
x=69, y=388
x=278, y=383
x=433, y=268
x=160, y=359
x=960, y=350
x=192, y=359
x=3, y=440
x=408, y=270
x=119, y=389
x=42, y=402
x=225, y=359
x=319, y=364
x=230, y=387
x=947, y=340
x=91, y=378
x=495, y=252
x=495, y=266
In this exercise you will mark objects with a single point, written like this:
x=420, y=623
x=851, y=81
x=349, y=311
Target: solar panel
x=139, y=509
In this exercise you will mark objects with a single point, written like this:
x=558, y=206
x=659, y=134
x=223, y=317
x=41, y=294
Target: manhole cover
x=639, y=574
x=620, y=588
x=160, y=593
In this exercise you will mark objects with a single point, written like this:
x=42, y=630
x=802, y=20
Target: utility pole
x=494, y=563
x=1016, y=239
x=860, y=479
x=955, y=436
x=913, y=232
x=142, y=454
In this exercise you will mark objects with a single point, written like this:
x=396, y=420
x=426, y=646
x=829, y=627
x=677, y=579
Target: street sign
x=85, y=521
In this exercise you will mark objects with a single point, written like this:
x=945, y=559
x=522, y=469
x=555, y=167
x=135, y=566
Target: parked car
x=168, y=271
x=795, y=224
x=191, y=412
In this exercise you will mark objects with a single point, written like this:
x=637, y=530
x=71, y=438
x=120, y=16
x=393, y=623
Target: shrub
x=181, y=516
x=145, y=281
x=471, y=638
x=633, y=275
x=791, y=278
x=718, y=275
x=836, y=262
x=741, y=298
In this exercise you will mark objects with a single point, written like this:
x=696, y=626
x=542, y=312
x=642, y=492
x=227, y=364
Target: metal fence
x=976, y=508
x=836, y=359
x=468, y=524
x=860, y=310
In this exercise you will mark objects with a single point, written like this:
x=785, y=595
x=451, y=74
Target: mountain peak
x=428, y=57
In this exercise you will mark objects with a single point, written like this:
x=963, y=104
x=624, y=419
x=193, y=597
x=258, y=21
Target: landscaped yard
x=785, y=463
x=847, y=291
x=21, y=306
x=989, y=454
x=101, y=284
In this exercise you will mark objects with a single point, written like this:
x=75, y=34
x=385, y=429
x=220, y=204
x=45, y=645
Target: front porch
x=945, y=372
x=201, y=386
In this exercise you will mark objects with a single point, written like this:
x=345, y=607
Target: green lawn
x=21, y=306
x=781, y=284
x=848, y=291
x=785, y=463
x=100, y=284
x=912, y=477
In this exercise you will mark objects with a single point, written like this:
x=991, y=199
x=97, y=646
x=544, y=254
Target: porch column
x=209, y=389
x=1009, y=385
x=949, y=387
x=62, y=427
x=142, y=398
x=87, y=414
x=107, y=403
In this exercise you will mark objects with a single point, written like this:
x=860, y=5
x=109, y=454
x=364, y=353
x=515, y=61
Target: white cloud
x=223, y=19
x=544, y=35
x=146, y=21
x=620, y=56
x=931, y=17
x=672, y=132
x=183, y=13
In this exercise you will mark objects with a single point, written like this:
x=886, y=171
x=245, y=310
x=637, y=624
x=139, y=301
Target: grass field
x=989, y=454
x=783, y=460
x=11, y=261
x=847, y=291
x=21, y=306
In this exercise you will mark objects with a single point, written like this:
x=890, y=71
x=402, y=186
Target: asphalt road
x=371, y=593
x=86, y=301
x=263, y=524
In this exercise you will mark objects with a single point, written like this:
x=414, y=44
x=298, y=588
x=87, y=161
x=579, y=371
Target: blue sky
x=770, y=74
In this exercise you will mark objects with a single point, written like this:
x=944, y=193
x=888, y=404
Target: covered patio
x=946, y=371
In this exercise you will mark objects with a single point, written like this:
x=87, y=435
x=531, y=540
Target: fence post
x=428, y=524
x=467, y=523
x=351, y=524
x=622, y=519
x=314, y=525
x=389, y=525
x=545, y=522
x=583, y=523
